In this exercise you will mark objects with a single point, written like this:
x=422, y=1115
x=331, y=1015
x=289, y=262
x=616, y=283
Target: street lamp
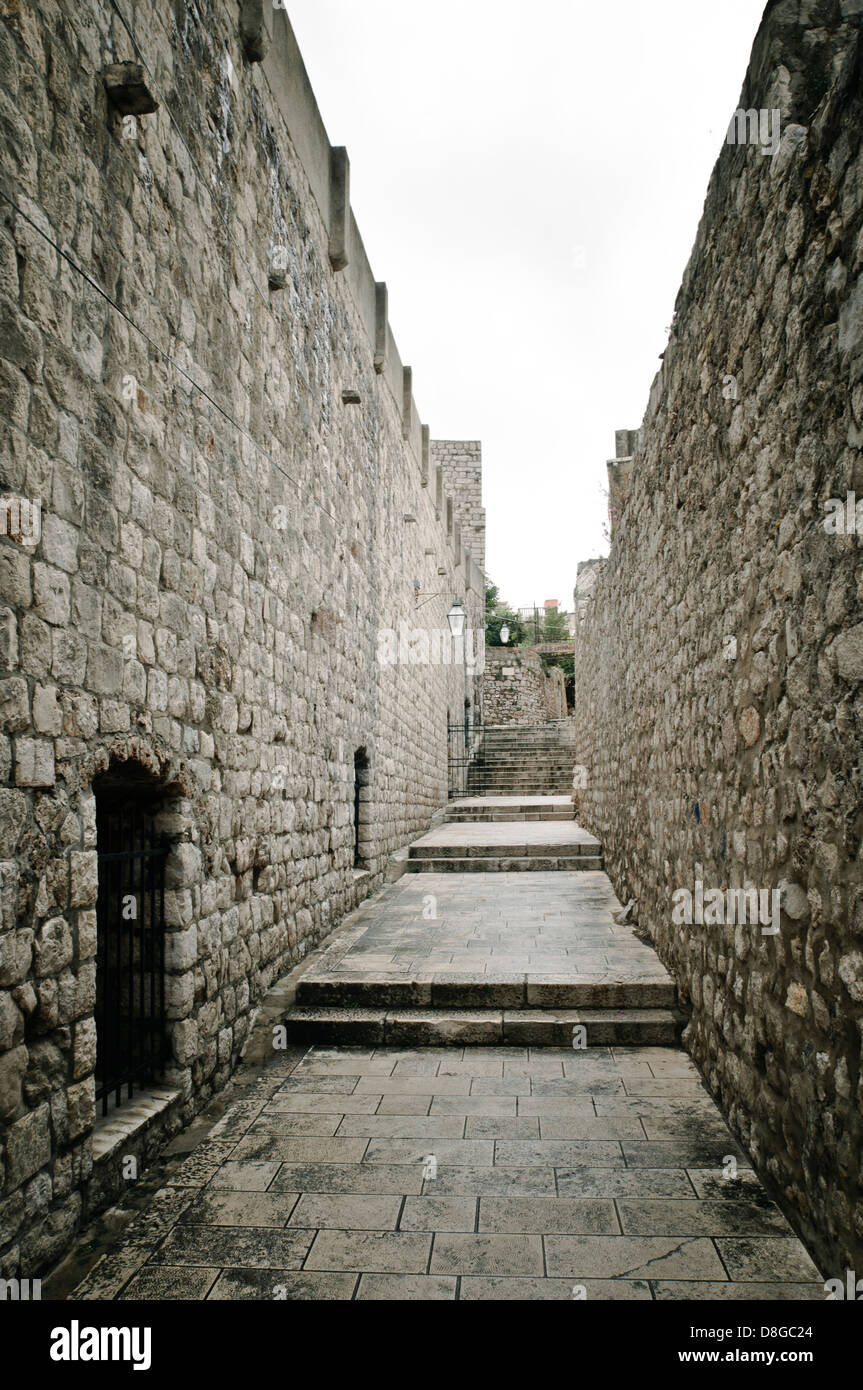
x=456, y=619
x=504, y=634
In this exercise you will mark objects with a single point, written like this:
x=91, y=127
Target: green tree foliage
x=497, y=615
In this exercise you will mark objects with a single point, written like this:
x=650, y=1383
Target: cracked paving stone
x=620, y=1257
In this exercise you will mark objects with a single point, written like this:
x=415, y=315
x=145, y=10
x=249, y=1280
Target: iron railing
x=130, y=961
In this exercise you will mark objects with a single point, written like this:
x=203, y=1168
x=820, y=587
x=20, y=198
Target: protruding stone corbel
x=340, y=207
x=128, y=89
x=254, y=34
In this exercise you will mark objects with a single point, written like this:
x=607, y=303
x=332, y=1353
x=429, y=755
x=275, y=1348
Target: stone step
x=517, y=760
x=522, y=776
x=513, y=788
x=462, y=817
x=511, y=808
x=517, y=848
x=491, y=864
x=519, y=992
x=421, y=1027
x=551, y=745
x=526, y=783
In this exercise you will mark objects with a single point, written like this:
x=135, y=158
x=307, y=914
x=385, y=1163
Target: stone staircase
x=531, y=762
x=508, y=939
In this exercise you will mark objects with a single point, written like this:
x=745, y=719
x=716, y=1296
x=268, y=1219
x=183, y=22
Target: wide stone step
x=490, y=863
x=423, y=1027
x=511, y=808
x=497, y=992
x=522, y=781
x=463, y=817
x=513, y=788
x=517, y=848
x=528, y=760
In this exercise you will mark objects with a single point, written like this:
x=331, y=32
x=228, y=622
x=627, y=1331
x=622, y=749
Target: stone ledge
x=123, y=1123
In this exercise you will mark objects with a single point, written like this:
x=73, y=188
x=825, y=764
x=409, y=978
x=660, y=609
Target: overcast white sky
x=528, y=179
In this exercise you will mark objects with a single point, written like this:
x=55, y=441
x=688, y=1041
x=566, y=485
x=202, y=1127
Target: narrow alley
x=481, y=1097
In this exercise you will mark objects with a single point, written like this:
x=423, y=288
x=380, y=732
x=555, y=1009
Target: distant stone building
x=210, y=746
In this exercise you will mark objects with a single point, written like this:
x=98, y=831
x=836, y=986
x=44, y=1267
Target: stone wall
x=199, y=384
x=517, y=691
x=460, y=463
x=719, y=664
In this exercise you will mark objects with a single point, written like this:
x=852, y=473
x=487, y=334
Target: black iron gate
x=130, y=964
x=463, y=742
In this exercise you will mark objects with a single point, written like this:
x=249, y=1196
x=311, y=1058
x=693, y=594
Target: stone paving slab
x=529, y=1193
x=506, y=942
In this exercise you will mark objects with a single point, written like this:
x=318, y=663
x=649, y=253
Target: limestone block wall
x=460, y=462
x=554, y=692
x=516, y=689
x=719, y=662
x=199, y=385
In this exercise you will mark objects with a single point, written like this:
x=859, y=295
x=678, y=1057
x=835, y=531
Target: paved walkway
x=554, y=931
x=483, y=1173
x=460, y=1172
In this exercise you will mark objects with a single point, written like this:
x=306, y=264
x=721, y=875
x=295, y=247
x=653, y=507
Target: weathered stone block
x=34, y=762
x=28, y=1146
x=53, y=947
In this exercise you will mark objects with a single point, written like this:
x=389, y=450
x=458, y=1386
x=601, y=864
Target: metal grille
x=463, y=743
x=130, y=965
